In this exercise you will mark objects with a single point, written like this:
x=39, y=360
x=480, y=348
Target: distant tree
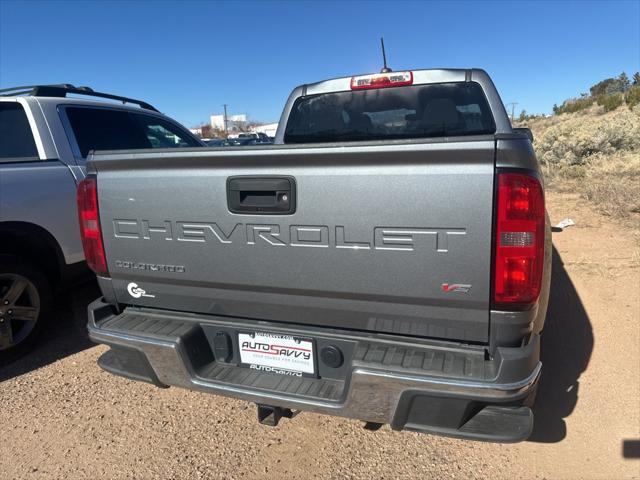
x=619, y=84
x=623, y=80
x=523, y=116
x=206, y=130
x=601, y=87
x=613, y=87
x=555, y=108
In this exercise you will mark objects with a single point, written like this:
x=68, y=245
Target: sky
x=188, y=58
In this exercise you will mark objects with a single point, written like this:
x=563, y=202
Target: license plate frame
x=278, y=353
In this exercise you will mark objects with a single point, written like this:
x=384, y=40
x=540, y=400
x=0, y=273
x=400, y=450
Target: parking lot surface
x=62, y=417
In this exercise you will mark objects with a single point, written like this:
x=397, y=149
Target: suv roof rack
x=62, y=89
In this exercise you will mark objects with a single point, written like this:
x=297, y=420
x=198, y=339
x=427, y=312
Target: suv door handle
x=261, y=195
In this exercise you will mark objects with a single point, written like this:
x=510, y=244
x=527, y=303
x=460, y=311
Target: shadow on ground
x=567, y=343
x=64, y=335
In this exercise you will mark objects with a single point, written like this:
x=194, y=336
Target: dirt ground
x=62, y=417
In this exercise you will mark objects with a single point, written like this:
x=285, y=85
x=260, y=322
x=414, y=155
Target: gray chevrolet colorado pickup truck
x=388, y=259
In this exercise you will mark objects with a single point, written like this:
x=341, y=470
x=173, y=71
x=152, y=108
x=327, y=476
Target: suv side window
x=163, y=134
x=16, y=138
x=111, y=129
x=104, y=129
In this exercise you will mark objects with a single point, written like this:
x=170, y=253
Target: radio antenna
x=385, y=69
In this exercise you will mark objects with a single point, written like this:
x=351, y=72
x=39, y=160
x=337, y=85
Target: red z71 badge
x=455, y=287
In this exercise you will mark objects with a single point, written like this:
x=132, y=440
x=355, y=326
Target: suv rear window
x=16, y=139
x=110, y=129
x=416, y=111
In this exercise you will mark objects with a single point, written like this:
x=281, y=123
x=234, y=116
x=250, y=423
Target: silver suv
x=45, y=137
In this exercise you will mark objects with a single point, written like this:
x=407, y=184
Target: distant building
x=268, y=129
x=235, y=123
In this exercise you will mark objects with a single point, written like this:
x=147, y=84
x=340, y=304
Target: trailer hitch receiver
x=270, y=415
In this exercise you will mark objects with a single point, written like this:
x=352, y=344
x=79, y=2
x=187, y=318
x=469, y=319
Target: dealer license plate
x=276, y=353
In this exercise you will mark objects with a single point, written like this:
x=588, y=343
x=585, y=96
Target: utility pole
x=225, y=118
x=513, y=109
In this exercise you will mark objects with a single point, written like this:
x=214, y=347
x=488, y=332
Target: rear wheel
x=25, y=302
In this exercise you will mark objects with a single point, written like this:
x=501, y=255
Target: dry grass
x=613, y=184
x=593, y=153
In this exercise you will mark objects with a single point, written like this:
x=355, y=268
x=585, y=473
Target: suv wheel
x=25, y=301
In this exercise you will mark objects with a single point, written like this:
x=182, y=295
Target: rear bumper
x=445, y=389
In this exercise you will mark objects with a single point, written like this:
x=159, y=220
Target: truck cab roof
x=420, y=76
x=403, y=82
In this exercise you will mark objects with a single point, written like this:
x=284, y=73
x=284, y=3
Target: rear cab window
x=16, y=137
x=417, y=111
x=111, y=129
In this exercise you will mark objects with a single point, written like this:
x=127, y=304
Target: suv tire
x=25, y=305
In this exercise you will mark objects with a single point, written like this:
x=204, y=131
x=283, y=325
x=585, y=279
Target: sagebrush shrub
x=632, y=96
x=611, y=102
x=574, y=140
x=596, y=151
x=573, y=105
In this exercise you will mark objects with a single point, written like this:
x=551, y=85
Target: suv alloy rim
x=19, y=309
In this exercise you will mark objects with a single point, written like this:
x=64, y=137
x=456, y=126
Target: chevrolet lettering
x=379, y=238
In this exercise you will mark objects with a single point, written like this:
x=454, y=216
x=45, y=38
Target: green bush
x=633, y=96
x=611, y=102
x=573, y=105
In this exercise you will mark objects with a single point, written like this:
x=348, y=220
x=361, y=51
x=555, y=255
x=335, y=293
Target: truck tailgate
x=391, y=238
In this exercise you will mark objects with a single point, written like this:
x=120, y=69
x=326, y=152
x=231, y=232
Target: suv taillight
x=90, y=231
x=519, y=240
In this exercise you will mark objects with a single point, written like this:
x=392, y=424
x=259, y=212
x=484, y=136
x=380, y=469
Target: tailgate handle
x=261, y=195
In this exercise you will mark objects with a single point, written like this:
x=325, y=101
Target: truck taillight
x=519, y=240
x=90, y=230
x=382, y=80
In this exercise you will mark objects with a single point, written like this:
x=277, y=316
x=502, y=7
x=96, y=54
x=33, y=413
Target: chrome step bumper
x=391, y=390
